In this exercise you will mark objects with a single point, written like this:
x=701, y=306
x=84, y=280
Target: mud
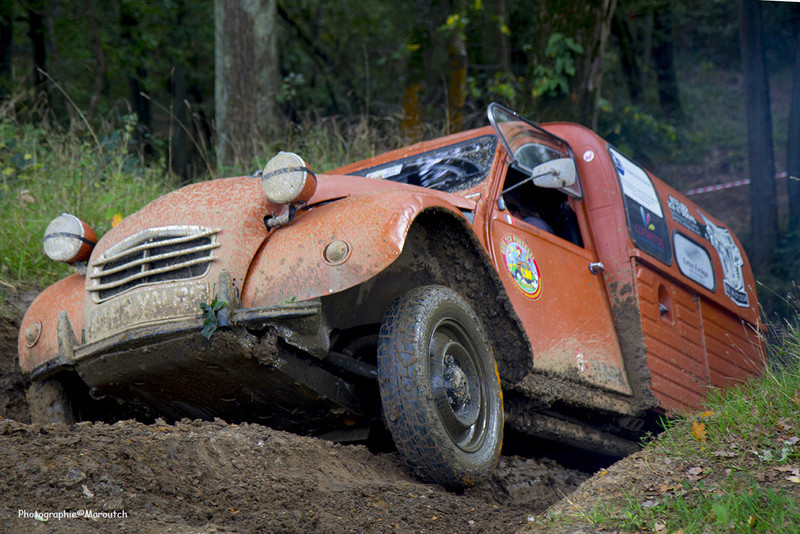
x=214, y=477
x=201, y=477
x=634, y=351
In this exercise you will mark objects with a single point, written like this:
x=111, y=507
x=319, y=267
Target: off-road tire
x=439, y=386
x=50, y=402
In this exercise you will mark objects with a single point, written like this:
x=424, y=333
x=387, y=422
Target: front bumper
x=170, y=370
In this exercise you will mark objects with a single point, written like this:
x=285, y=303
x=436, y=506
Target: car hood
x=236, y=207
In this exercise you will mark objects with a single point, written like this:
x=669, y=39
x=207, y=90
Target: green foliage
x=634, y=131
x=210, y=321
x=731, y=507
x=554, y=79
x=46, y=171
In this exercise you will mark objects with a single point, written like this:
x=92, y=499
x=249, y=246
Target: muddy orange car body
x=628, y=302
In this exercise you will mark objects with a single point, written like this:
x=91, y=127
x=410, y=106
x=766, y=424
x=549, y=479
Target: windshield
x=452, y=168
x=528, y=144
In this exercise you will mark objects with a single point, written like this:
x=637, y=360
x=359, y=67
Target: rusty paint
x=65, y=295
x=373, y=224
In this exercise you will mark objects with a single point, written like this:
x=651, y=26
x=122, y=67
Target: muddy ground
x=198, y=477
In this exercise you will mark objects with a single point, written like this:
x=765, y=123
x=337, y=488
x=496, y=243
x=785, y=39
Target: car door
x=555, y=283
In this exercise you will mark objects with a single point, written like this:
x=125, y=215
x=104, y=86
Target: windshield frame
x=500, y=115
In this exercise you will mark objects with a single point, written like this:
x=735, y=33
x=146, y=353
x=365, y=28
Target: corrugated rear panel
x=675, y=354
x=734, y=352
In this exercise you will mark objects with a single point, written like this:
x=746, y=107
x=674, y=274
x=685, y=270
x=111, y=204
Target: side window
x=546, y=209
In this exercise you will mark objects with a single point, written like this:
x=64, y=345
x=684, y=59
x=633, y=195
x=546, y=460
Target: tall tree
x=664, y=62
x=628, y=55
x=417, y=66
x=590, y=83
x=457, y=70
x=567, y=58
x=137, y=74
x=6, y=31
x=763, y=194
x=36, y=32
x=246, y=78
x=793, y=160
x=100, y=56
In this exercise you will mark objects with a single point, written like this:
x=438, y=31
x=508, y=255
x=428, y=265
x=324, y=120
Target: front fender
x=291, y=264
x=64, y=296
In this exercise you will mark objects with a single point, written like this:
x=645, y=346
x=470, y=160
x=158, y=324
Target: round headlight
x=287, y=179
x=68, y=239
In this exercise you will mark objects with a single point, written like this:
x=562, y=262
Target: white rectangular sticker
x=635, y=183
x=386, y=172
x=694, y=261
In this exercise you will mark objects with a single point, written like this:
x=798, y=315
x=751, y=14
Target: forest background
x=192, y=90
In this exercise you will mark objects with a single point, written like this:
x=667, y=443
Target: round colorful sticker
x=522, y=266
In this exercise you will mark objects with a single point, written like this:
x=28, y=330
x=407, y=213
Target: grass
x=735, y=467
x=97, y=173
x=46, y=171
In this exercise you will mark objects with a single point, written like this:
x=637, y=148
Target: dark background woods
x=208, y=85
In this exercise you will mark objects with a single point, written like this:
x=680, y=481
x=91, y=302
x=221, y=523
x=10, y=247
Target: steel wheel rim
x=459, y=385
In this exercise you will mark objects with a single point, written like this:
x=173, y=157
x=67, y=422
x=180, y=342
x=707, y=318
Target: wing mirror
x=554, y=174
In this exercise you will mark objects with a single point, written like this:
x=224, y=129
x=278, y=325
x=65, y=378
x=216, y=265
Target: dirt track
x=214, y=477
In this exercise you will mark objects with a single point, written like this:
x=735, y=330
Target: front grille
x=151, y=256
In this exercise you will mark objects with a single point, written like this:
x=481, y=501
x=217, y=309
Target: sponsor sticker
x=681, y=215
x=694, y=261
x=635, y=183
x=522, y=266
x=647, y=224
x=731, y=259
x=386, y=172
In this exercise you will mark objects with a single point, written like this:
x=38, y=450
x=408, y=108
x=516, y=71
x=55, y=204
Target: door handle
x=596, y=267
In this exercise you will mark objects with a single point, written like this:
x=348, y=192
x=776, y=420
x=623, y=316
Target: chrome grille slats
x=154, y=255
x=110, y=256
x=152, y=272
x=150, y=259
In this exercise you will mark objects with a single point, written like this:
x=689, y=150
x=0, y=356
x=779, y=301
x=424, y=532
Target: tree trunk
x=245, y=79
x=592, y=73
x=6, y=26
x=416, y=70
x=179, y=149
x=793, y=160
x=100, y=57
x=36, y=32
x=664, y=62
x=628, y=55
x=457, y=79
x=763, y=201
x=137, y=74
x=502, y=37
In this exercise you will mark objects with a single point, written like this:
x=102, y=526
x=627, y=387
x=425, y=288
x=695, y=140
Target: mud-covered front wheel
x=49, y=401
x=439, y=387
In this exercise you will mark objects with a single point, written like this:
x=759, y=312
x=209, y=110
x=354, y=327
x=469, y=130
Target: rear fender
x=38, y=341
